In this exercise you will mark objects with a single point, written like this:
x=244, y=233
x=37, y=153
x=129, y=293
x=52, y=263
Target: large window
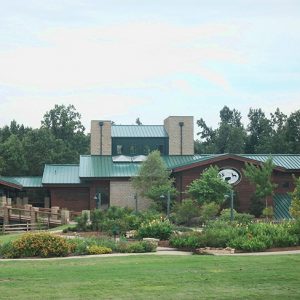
x=119, y=149
x=160, y=148
x=147, y=149
x=132, y=150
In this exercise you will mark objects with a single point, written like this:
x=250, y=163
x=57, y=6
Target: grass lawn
x=153, y=277
x=9, y=237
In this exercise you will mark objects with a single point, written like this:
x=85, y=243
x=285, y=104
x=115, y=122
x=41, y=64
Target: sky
x=122, y=59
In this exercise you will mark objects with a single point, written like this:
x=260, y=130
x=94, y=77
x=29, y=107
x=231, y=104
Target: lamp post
x=168, y=202
x=97, y=198
x=136, y=202
x=231, y=204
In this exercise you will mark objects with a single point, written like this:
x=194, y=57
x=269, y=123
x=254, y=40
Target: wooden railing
x=16, y=228
x=49, y=216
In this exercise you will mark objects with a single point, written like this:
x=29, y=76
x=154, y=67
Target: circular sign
x=230, y=175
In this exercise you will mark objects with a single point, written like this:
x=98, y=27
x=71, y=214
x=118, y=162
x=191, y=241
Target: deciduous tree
x=295, y=204
x=210, y=187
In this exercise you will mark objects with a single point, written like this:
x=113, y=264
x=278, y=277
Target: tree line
x=276, y=133
x=61, y=139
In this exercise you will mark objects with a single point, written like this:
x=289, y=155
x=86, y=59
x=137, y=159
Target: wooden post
x=3, y=201
x=19, y=202
x=5, y=215
x=65, y=216
x=54, y=212
x=46, y=202
x=28, y=210
x=25, y=201
x=33, y=214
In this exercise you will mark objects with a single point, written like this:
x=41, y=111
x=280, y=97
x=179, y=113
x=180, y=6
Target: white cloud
x=29, y=110
x=117, y=56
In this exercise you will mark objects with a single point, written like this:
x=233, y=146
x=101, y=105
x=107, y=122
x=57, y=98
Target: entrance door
x=102, y=193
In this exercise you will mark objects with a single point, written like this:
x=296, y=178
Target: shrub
x=249, y=244
x=36, y=245
x=241, y=218
x=268, y=212
x=185, y=211
x=160, y=229
x=245, y=237
x=82, y=222
x=81, y=246
x=256, y=206
x=136, y=247
x=209, y=211
x=7, y=250
x=295, y=203
x=188, y=240
x=99, y=250
x=96, y=219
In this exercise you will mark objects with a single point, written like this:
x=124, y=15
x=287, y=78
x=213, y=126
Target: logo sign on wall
x=232, y=176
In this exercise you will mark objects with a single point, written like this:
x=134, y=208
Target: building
x=102, y=179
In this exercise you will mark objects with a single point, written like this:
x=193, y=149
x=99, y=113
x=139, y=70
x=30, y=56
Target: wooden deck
x=34, y=215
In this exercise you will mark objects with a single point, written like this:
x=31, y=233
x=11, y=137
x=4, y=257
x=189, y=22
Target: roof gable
x=255, y=159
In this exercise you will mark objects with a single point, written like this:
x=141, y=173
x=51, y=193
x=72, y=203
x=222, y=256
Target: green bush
x=185, y=211
x=7, y=250
x=136, y=247
x=82, y=222
x=245, y=243
x=241, y=218
x=84, y=246
x=94, y=250
x=159, y=229
x=245, y=237
x=97, y=217
x=209, y=211
x=188, y=240
x=268, y=212
x=80, y=246
x=36, y=245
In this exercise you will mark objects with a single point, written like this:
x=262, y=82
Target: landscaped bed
x=46, y=244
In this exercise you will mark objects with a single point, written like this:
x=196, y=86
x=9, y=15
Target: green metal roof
x=9, y=181
x=176, y=161
x=288, y=161
x=29, y=181
x=282, y=204
x=61, y=174
x=141, y=131
x=103, y=166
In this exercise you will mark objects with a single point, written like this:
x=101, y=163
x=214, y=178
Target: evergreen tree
x=261, y=177
x=153, y=178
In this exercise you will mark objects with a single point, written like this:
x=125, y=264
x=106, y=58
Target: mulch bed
x=283, y=249
x=164, y=244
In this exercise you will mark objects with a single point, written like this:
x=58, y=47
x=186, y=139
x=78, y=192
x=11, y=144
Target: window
x=119, y=149
x=132, y=150
x=160, y=148
x=146, y=149
x=286, y=185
